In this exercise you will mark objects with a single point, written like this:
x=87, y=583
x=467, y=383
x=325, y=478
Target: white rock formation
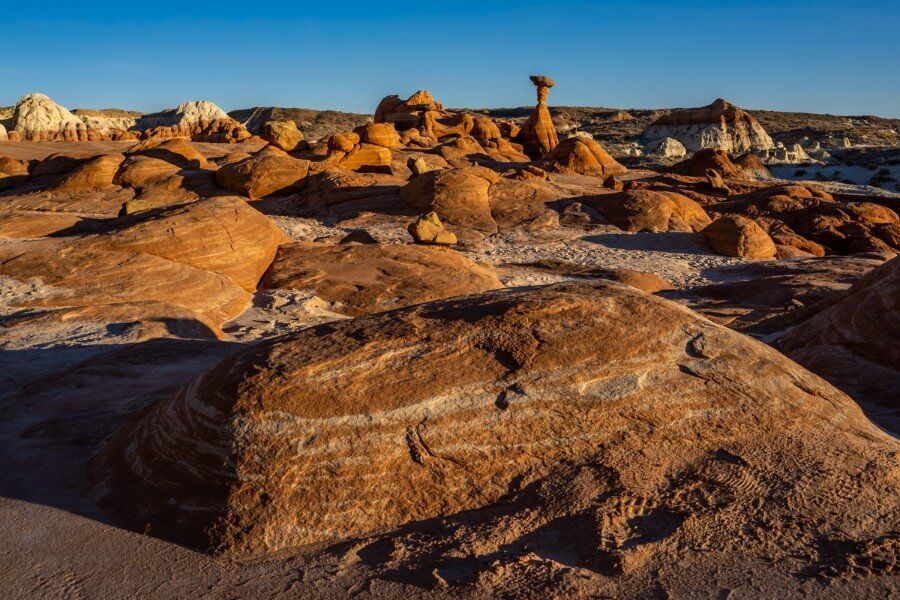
x=186, y=115
x=37, y=117
x=719, y=125
x=666, y=147
x=107, y=120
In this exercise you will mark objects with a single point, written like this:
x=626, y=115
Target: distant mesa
x=717, y=125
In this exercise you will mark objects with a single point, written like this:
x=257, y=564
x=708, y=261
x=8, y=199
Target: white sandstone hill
x=36, y=117
x=718, y=125
x=200, y=121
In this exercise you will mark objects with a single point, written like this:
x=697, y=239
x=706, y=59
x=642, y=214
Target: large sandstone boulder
x=91, y=277
x=428, y=229
x=223, y=235
x=460, y=197
x=368, y=278
x=853, y=344
x=380, y=134
x=139, y=171
x=178, y=151
x=584, y=156
x=538, y=134
x=734, y=235
x=649, y=210
x=665, y=432
x=718, y=125
x=263, y=174
x=282, y=134
x=94, y=174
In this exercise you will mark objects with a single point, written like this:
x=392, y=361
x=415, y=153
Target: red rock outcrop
x=853, y=344
x=364, y=425
x=460, y=197
x=363, y=279
x=650, y=210
x=283, y=134
x=734, y=235
x=263, y=174
x=584, y=156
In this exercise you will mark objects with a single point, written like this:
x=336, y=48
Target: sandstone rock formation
x=38, y=118
x=853, y=344
x=666, y=147
x=406, y=114
x=810, y=219
x=200, y=121
x=95, y=173
x=178, y=151
x=718, y=125
x=222, y=235
x=704, y=160
x=538, y=134
x=283, y=134
x=85, y=277
x=263, y=174
x=648, y=210
x=12, y=171
x=460, y=197
x=362, y=279
x=428, y=229
x=661, y=444
x=734, y=235
x=584, y=156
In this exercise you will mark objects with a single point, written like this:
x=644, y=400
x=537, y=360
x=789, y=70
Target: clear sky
x=799, y=55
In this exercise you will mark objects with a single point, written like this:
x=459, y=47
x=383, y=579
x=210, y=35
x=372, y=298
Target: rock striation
x=38, y=118
x=853, y=343
x=361, y=426
x=200, y=121
x=718, y=125
x=584, y=156
x=361, y=279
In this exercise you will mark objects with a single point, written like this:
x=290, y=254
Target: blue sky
x=823, y=56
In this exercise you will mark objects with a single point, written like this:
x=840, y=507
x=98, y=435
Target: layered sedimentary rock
x=853, y=344
x=282, y=134
x=460, y=197
x=93, y=277
x=38, y=118
x=222, y=235
x=263, y=174
x=368, y=278
x=200, y=121
x=538, y=134
x=649, y=210
x=663, y=442
x=734, y=235
x=811, y=220
x=718, y=125
x=584, y=156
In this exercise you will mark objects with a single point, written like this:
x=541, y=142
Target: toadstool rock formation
x=538, y=134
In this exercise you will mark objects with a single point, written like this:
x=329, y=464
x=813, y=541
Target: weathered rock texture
x=263, y=174
x=734, y=235
x=368, y=278
x=718, y=125
x=584, y=156
x=654, y=446
x=38, y=118
x=538, y=134
x=283, y=134
x=650, y=210
x=222, y=235
x=95, y=277
x=853, y=344
x=200, y=121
